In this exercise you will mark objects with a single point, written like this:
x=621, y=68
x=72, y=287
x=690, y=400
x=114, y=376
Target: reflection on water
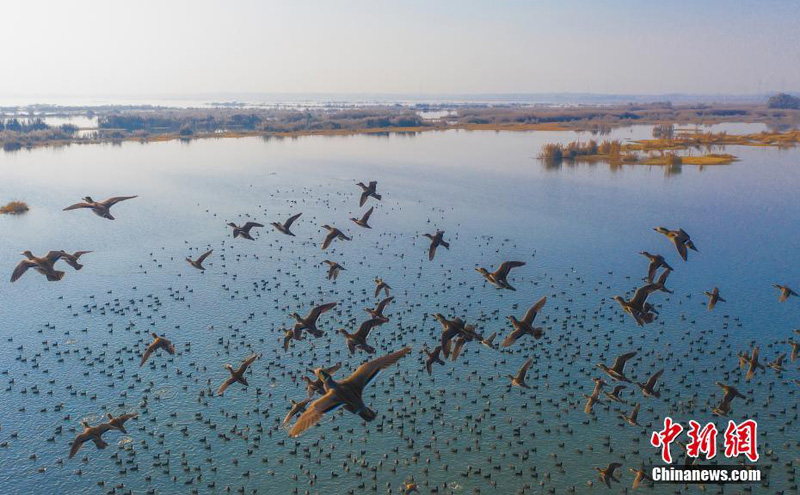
x=579, y=228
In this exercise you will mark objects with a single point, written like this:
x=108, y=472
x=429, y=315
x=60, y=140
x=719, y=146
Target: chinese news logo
x=740, y=439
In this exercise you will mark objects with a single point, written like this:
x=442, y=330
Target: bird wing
x=288, y=223
x=333, y=369
x=640, y=296
x=432, y=250
x=651, y=270
x=512, y=337
x=635, y=412
x=318, y=310
x=53, y=256
x=78, y=254
x=460, y=343
x=382, y=305
x=148, y=352
x=116, y=199
x=21, y=268
x=366, y=327
x=366, y=216
x=77, y=206
x=534, y=310
x=367, y=372
x=313, y=414
x=249, y=225
x=523, y=371
x=681, y=249
x=619, y=363
x=227, y=383
x=364, y=196
x=589, y=403
x=651, y=383
x=76, y=444
x=506, y=266
x=662, y=279
x=246, y=363
x=329, y=238
x=204, y=256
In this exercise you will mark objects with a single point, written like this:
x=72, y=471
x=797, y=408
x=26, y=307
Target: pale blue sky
x=412, y=46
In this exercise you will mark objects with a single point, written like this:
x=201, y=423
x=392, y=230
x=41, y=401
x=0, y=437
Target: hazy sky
x=172, y=47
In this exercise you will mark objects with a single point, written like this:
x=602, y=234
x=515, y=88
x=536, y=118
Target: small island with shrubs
x=14, y=208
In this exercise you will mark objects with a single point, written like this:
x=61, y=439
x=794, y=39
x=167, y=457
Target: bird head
x=482, y=271
x=88, y=199
x=231, y=224
x=275, y=224
x=661, y=230
x=27, y=254
x=327, y=227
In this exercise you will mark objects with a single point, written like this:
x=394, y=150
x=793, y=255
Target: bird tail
x=377, y=196
x=446, y=245
x=367, y=414
x=57, y=275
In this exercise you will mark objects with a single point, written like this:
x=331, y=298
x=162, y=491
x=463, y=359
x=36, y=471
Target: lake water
x=72, y=348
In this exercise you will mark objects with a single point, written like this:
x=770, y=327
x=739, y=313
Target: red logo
x=739, y=439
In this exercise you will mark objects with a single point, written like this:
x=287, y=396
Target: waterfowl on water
x=617, y=370
x=99, y=208
x=649, y=388
x=198, y=263
x=157, y=343
x=410, y=487
x=44, y=265
x=656, y=261
x=680, y=239
x=333, y=269
x=237, y=375
x=713, y=298
x=118, y=423
x=377, y=311
x=358, y=340
x=346, y=393
x=607, y=474
x=309, y=323
x=364, y=220
x=244, y=230
x=518, y=380
x=437, y=240
x=333, y=233
x=285, y=227
x=499, y=277
x=367, y=191
x=786, y=292
x=525, y=326
x=93, y=433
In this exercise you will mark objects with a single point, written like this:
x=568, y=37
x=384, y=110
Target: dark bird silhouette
x=525, y=326
x=617, y=370
x=367, y=191
x=499, y=277
x=157, y=343
x=44, y=265
x=285, y=227
x=333, y=233
x=364, y=220
x=437, y=240
x=198, y=263
x=118, y=423
x=244, y=230
x=93, y=433
x=519, y=379
x=679, y=239
x=347, y=393
x=99, y=208
x=713, y=298
x=607, y=474
x=649, y=388
x=786, y=292
x=656, y=261
x=358, y=340
x=333, y=269
x=377, y=311
x=433, y=357
x=309, y=323
x=237, y=375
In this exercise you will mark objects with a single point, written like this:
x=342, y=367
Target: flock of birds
x=325, y=393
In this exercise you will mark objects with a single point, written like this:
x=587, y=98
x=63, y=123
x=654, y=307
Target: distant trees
x=783, y=101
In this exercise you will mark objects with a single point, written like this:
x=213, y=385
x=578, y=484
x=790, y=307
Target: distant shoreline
x=118, y=124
